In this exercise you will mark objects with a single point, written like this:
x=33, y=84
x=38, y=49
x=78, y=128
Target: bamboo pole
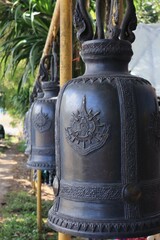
x=121, y=8
x=33, y=182
x=88, y=4
x=54, y=27
x=65, y=41
x=65, y=54
x=62, y=236
x=39, y=205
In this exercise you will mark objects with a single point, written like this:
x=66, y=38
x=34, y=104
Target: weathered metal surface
x=41, y=117
x=42, y=154
x=108, y=179
x=107, y=182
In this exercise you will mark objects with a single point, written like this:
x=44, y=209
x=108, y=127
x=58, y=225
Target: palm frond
x=24, y=27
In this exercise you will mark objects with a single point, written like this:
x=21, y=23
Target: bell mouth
x=107, y=48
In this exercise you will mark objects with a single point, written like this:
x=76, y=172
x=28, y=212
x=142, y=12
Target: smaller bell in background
x=25, y=132
x=37, y=93
x=42, y=118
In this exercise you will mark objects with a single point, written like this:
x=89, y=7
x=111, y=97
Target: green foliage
x=24, y=27
x=148, y=11
x=11, y=140
x=21, y=146
x=19, y=216
x=23, y=31
x=92, y=9
x=2, y=149
x=15, y=102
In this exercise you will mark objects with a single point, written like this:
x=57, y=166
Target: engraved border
x=84, y=192
x=129, y=142
x=100, y=229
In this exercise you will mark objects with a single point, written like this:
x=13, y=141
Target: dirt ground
x=9, y=125
x=14, y=175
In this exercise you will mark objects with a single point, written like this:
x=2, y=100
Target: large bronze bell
x=107, y=183
x=42, y=124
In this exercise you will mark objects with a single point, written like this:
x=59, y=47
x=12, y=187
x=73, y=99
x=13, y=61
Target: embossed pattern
x=113, y=228
x=38, y=165
x=82, y=22
x=42, y=122
x=154, y=128
x=43, y=151
x=83, y=192
x=109, y=79
x=129, y=141
x=151, y=189
x=86, y=133
x=108, y=49
x=129, y=23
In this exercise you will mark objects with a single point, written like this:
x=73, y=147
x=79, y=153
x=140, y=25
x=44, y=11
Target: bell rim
x=142, y=232
x=105, y=41
x=50, y=85
x=107, y=48
x=40, y=166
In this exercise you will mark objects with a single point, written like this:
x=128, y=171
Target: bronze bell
x=107, y=183
x=37, y=93
x=26, y=133
x=42, y=129
x=42, y=119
